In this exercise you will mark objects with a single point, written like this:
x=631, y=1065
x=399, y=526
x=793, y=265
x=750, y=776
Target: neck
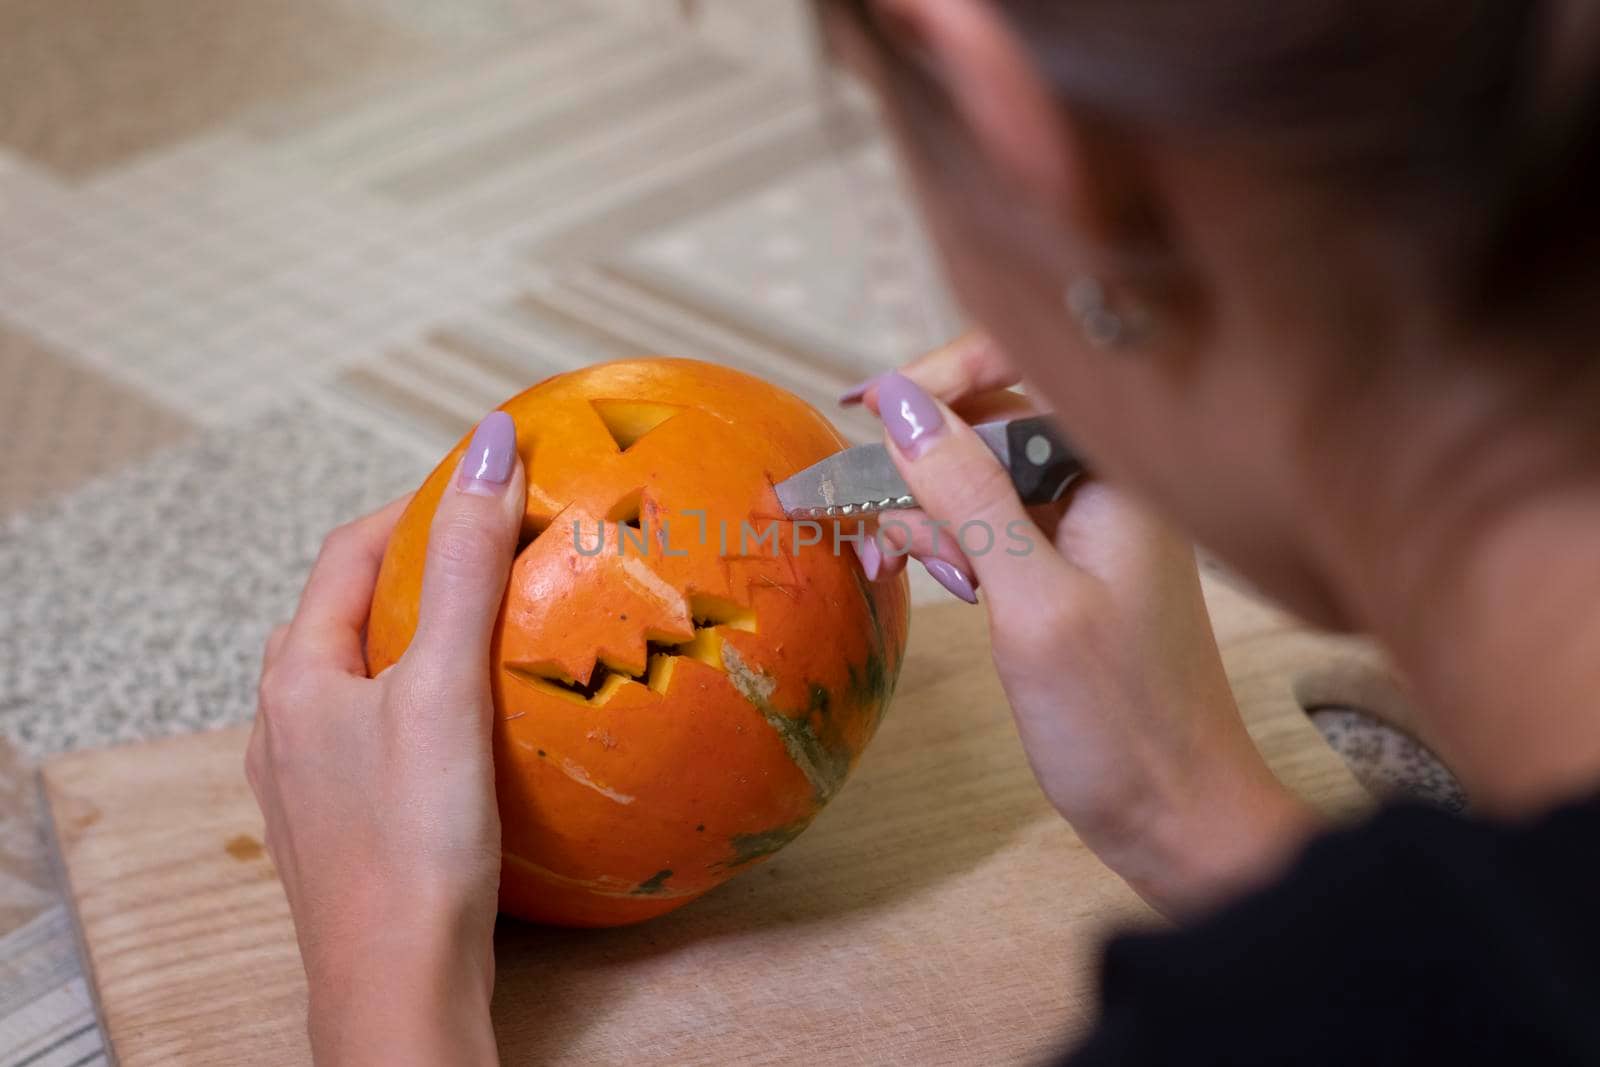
x=1475, y=560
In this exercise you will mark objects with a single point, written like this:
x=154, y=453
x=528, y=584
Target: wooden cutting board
x=937, y=912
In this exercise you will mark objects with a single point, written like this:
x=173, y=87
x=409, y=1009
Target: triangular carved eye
x=629, y=420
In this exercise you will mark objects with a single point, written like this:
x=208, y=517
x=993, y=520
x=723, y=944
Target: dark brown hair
x=1469, y=127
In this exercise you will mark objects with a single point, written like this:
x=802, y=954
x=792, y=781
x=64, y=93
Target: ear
x=1001, y=98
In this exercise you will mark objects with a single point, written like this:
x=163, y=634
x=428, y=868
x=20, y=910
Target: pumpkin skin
x=736, y=682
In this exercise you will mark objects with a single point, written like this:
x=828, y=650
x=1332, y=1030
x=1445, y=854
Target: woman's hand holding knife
x=1101, y=639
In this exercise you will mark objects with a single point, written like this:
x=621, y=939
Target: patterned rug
x=261, y=264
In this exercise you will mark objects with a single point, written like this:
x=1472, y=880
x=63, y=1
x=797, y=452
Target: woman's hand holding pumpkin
x=1101, y=639
x=379, y=794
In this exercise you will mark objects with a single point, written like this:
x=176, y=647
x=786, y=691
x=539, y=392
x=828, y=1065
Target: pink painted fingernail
x=910, y=414
x=869, y=554
x=854, y=394
x=490, y=458
x=949, y=576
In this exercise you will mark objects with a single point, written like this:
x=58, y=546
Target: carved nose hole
x=625, y=512
x=710, y=611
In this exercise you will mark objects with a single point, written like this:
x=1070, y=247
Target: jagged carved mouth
x=661, y=658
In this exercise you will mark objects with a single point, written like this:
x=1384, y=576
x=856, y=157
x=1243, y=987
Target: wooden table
x=938, y=912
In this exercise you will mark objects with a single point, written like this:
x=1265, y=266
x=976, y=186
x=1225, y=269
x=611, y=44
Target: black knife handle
x=1042, y=465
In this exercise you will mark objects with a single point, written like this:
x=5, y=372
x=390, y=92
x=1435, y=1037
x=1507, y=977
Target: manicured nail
x=854, y=394
x=947, y=575
x=869, y=554
x=490, y=458
x=912, y=417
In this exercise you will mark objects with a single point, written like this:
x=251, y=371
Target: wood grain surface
x=938, y=912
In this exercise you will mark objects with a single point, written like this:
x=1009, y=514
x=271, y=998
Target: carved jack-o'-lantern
x=682, y=678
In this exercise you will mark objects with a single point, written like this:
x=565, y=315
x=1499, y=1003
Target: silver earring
x=1103, y=326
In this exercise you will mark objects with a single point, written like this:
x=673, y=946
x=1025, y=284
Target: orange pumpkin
x=682, y=678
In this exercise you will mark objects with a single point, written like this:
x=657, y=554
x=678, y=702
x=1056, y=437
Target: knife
x=863, y=480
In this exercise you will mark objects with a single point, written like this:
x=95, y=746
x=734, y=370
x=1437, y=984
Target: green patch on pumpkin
x=871, y=684
x=811, y=736
x=653, y=884
x=874, y=683
x=824, y=765
x=747, y=848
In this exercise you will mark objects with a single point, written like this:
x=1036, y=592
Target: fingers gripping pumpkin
x=682, y=678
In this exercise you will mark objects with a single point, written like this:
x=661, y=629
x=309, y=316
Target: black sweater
x=1419, y=937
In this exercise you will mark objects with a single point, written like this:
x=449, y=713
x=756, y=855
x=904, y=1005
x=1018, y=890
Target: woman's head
x=1331, y=210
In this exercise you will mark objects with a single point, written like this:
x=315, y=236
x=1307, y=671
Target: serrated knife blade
x=864, y=480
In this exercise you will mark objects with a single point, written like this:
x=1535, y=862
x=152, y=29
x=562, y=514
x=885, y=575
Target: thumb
x=958, y=483
x=470, y=547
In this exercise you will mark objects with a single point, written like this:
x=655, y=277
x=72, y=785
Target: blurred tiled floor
x=261, y=263
x=88, y=85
